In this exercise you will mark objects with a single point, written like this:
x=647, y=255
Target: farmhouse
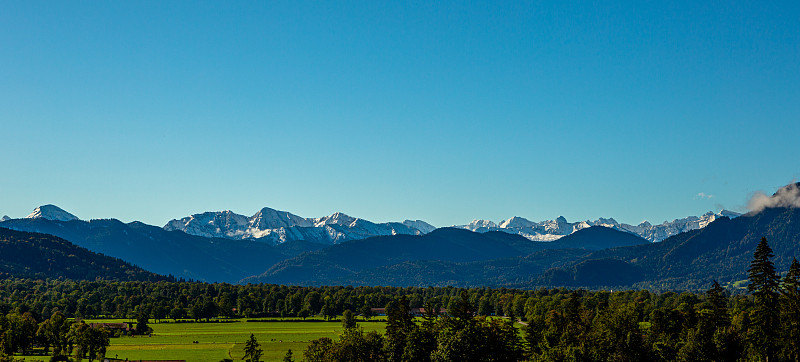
x=417, y=312
x=123, y=328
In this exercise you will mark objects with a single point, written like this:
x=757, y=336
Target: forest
x=557, y=324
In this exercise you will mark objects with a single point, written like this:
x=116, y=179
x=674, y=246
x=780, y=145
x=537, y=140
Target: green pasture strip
x=216, y=341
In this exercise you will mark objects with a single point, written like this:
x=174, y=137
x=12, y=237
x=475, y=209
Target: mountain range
x=342, y=250
x=166, y=252
x=721, y=251
x=550, y=230
x=275, y=227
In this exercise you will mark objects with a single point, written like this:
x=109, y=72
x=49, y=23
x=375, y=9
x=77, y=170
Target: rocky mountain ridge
x=550, y=230
x=276, y=227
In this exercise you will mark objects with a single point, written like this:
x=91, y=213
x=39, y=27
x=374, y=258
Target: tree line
x=59, y=336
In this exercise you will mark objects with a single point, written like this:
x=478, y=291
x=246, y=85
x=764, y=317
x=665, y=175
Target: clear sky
x=441, y=111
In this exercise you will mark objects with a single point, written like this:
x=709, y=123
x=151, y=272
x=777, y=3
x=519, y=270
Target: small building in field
x=123, y=328
x=417, y=312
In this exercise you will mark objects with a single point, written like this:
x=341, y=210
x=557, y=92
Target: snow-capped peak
x=268, y=218
x=4, y=218
x=550, y=230
x=516, y=222
x=51, y=212
x=211, y=224
x=274, y=226
x=609, y=221
x=419, y=225
x=479, y=224
x=338, y=218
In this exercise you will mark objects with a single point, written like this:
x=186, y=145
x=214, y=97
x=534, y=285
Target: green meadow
x=225, y=338
x=219, y=340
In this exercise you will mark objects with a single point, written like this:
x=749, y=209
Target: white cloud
x=787, y=196
x=704, y=195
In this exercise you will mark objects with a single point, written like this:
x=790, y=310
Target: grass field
x=216, y=341
x=220, y=340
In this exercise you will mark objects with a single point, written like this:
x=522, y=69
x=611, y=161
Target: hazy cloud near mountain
x=787, y=196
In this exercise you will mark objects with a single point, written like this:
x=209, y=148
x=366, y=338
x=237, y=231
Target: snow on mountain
x=4, y=218
x=337, y=218
x=51, y=212
x=223, y=224
x=517, y=222
x=550, y=230
x=273, y=226
x=419, y=225
x=481, y=226
x=267, y=218
x=677, y=226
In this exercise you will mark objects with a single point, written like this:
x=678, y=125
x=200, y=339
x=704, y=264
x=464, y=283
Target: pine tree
x=764, y=284
x=790, y=313
x=399, y=324
x=252, y=350
x=288, y=357
x=462, y=310
x=717, y=298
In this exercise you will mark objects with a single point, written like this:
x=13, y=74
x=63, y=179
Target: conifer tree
x=288, y=357
x=399, y=325
x=716, y=297
x=764, y=284
x=252, y=350
x=790, y=313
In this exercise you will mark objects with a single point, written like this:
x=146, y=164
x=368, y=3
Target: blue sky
x=442, y=111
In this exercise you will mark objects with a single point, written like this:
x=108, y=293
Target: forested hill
x=41, y=256
x=446, y=256
x=167, y=252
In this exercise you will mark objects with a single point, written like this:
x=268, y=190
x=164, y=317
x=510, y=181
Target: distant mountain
x=473, y=257
x=51, y=212
x=419, y=225
x=720, y=248
x=4, y=218
x=279, y=247
x=166, y=252
x=597, y=238
x=276, y=227
x=550, y=230
x=721, y=251
x=42, y=256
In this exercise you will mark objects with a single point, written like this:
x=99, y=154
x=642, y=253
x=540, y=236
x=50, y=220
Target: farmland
x=214, y=341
